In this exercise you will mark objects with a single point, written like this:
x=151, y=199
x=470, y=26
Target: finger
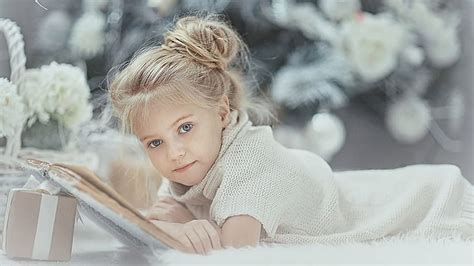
x=187, y=244
x=194, y=238
x=214, y=236
x=214, y=225
x=205, y=238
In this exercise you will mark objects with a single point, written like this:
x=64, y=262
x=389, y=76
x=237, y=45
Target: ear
x=224, y=110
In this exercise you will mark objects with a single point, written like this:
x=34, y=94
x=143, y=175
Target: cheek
x=209, y=145
x=158, y=161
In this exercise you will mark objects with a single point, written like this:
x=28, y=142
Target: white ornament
x=339, y=9
x=408, y=119
x=87, y=36
x=443, y=48
x=373, y=43
x=12, y=109
x=326, y=134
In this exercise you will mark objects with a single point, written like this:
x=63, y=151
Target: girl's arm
x=168, y=209
x=241, y=230
x=197, y=236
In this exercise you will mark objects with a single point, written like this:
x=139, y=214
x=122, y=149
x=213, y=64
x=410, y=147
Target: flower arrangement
x=54, y=91
x=64, y=95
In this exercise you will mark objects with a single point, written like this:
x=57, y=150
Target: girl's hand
x=199, y=236
x=169, y=210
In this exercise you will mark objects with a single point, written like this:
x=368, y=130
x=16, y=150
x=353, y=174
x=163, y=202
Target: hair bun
x=206, y=40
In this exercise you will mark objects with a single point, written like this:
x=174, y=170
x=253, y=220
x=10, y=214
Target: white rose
x=372, y=43
x=339, y=9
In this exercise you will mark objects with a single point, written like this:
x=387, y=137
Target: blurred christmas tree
x=309, y=57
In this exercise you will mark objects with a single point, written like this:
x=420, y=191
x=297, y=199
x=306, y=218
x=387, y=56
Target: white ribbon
x=45, y=227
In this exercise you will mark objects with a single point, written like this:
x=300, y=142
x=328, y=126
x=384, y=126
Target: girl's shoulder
x=256, y=153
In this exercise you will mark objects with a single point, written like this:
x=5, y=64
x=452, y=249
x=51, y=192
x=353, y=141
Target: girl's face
x=183, y=141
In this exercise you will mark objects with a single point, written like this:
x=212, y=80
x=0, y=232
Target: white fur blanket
x=395, y=250
x=94, y=246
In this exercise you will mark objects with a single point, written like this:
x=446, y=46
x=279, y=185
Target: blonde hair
x=198, y=62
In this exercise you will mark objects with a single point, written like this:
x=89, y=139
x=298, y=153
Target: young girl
x=232, y=184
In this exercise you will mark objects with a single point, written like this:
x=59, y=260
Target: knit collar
x=205, y=191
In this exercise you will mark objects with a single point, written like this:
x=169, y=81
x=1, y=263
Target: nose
x=176, y=150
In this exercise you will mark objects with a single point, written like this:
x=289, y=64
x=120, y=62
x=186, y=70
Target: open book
x=103, y=205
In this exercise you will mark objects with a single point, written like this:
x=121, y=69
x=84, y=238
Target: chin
x=187, y=181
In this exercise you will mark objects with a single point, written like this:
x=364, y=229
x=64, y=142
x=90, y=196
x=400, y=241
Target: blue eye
x=184, y=128
x=154, y=143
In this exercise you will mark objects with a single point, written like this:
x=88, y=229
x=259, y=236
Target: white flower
x=372, y=43
x=76, y=115
x=12, y=109
x=59, y=91
x=67, y=93
x=326, y=134
x=34, y=96
x=339, y=9
x=408, y=119
x=87, y=37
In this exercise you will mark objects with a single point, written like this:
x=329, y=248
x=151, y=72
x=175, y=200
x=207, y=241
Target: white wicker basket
x=12, y=157
x=11, y=175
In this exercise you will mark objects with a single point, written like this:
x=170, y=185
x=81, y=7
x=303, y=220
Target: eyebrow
x=177, y=120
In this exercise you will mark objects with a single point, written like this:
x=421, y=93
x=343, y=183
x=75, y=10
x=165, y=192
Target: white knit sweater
x=298, y=199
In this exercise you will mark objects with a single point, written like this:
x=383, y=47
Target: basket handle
x=16, y=49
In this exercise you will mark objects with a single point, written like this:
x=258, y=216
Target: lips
x=184, y=168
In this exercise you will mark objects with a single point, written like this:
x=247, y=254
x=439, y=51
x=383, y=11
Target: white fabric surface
x=298, y=199
x=93, y=246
